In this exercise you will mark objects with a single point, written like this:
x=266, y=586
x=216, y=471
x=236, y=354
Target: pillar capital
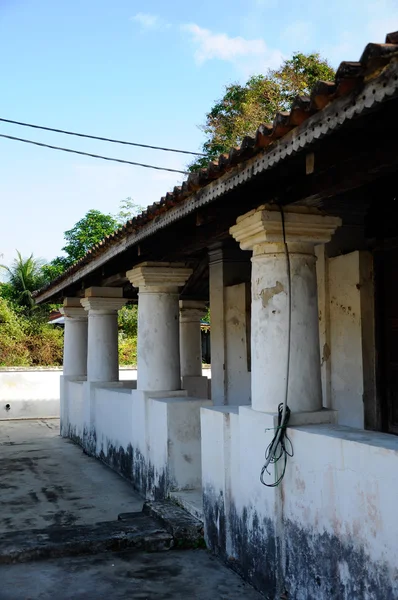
x=72, y=309
x=192, y=310
x=103, y=300
x=159, y=276
x=303, y=226
x=103, y=305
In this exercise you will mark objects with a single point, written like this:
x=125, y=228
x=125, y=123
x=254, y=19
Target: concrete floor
x=173, y=575
x=47, y=481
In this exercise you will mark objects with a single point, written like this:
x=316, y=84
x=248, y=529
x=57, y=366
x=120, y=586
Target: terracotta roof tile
x=349, y=76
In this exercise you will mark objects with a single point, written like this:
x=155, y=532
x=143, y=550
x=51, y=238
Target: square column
x=75, y=338
x=271, y=345
x=228, y=266
x=158, y=349
x=102, y=305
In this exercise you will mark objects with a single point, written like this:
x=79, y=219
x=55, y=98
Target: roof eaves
x=328, y=107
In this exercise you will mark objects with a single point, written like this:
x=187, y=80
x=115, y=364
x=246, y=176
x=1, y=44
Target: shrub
x=127, y=350
x=128, y=320
x=27, y=341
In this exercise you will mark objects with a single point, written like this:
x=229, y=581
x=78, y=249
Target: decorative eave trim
x=377, y=90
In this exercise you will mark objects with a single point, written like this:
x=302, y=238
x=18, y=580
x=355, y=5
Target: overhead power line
x=102, y=139
x=119, y=160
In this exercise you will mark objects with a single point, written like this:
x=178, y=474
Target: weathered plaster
x=284, y=303
x=153, y=442
x=237, y=332
x=227, y=268
x=346, y=358
x=268, y=293
x=327, y=533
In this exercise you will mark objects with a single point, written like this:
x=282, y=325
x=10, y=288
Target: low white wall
x=35, y=393
x=328, y=531
x=29, y=393
x=154, y=442
x=74, y=391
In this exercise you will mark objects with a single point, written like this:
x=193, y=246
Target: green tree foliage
x=244, y=107
x=27, y=340
x=13, y=351
x=23, y=277
x=55, y=268
x=128, y=319
x=128, y=325
x=87, y=232
x=127, y=210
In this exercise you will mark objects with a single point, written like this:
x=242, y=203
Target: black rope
x=282, y=450
x=277, y=449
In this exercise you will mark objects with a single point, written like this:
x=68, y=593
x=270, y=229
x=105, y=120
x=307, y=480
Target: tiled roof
x=350, y=77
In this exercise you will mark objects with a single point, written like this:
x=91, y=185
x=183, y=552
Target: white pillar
x=102, y=352
x=158, y=348
x=191, y=314
x=261, y=231
x=75, y=338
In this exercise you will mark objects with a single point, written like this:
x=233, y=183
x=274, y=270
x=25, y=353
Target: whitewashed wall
x=231, y=379
x=346, y=320
x=35, y=393
x=346, y=339
x=328, y=531
x=238, y=377
x=74, y=391
x=153, y=441
x=29, y=393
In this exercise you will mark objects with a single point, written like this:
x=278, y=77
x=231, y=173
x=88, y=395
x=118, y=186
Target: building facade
x=292, y=242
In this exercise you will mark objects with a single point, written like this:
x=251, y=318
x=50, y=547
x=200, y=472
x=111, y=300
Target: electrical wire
x=278, y=449
x=119, y=160
x=102, y=139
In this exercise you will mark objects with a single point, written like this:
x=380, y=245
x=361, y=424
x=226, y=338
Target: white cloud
x=148, y=21
x=248, y=56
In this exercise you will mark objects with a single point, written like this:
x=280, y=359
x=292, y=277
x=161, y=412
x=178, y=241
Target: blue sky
x=140, y=71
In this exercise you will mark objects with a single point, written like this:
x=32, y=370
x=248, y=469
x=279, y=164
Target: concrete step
x=187, y=530
x=191, y=501
x=141, y=532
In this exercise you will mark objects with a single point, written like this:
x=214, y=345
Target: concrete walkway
x=173, y=575
x=47, y=481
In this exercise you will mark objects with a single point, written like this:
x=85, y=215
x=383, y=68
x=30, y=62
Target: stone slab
x=185, y=529
x=141, y=533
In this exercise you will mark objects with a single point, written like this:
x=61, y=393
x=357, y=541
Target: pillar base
x=317, y=417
